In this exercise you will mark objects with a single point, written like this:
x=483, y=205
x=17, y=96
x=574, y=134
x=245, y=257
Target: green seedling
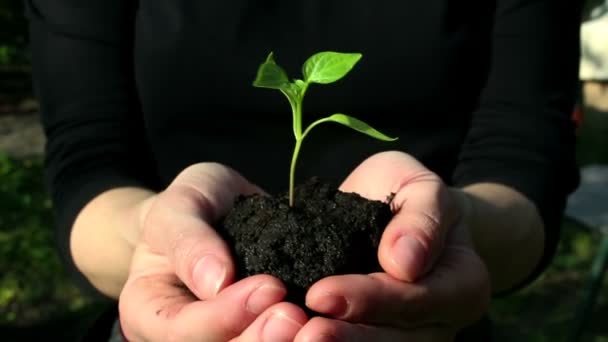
x=321, y=68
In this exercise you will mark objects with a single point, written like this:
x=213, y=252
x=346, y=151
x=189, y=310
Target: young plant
x=321, y=68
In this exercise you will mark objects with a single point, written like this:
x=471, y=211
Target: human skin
x=442, y=279
x=431, y=286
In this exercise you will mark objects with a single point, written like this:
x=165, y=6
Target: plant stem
x=297, y=120
x=292, y=172
x=298, y=110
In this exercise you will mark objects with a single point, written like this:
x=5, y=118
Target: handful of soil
x=326, y=232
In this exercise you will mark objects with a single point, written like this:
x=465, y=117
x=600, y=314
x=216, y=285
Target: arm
x=518, y=163
x=496, y=229
x=83, y=78
x=502, y=220
x=109, y=224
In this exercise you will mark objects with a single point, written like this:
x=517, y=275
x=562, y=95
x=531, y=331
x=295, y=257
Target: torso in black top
x=421, y=75
x=477, y=90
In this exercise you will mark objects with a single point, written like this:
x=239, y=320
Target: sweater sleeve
x=83, y=78
x=521, y=134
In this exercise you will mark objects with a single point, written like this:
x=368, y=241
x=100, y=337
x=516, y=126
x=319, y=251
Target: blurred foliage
x=13, y=33
x=13, y=26
x=592, y=143
x=544, y=311
x=33, y=285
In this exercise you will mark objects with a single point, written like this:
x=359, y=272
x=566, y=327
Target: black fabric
x=133, y=92
x=101, y=328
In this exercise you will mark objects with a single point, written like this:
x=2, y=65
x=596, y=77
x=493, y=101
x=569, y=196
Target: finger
x=227, y=315
x=413, y=239
x=459, y=280
x=280, y=323
x=321, y=329
x=372, y=299
x=157, y=308
x=196, y=252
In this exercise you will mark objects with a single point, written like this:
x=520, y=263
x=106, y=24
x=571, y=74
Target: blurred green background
x=37, y=299
x=13, y=32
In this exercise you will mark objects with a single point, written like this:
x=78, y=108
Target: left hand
x=434, y=283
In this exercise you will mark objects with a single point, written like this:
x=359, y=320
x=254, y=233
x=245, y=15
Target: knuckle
x=186, y=252
x=191, y=198
x=425, y=226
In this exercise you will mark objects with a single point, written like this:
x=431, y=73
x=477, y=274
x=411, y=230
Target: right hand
x=180, y=285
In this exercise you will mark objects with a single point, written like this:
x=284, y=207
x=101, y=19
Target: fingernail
x=409, y=255
x=263, y=297
x=209, y=275
x=329, y=304
x=279, y=328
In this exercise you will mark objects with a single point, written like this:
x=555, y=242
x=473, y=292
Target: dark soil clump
x=327, y=232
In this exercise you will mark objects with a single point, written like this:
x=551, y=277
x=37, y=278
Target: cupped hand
x=433, y=283
x=181, y=283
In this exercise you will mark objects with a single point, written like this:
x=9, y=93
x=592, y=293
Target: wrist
x=109, y=224
x=500, y=221
x=463, y=204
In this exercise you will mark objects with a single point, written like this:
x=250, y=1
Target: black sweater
x=131, y=93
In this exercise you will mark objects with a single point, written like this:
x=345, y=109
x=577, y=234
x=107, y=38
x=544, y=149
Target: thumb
x=414, y=238
x=178, y=230
x=198, y=197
